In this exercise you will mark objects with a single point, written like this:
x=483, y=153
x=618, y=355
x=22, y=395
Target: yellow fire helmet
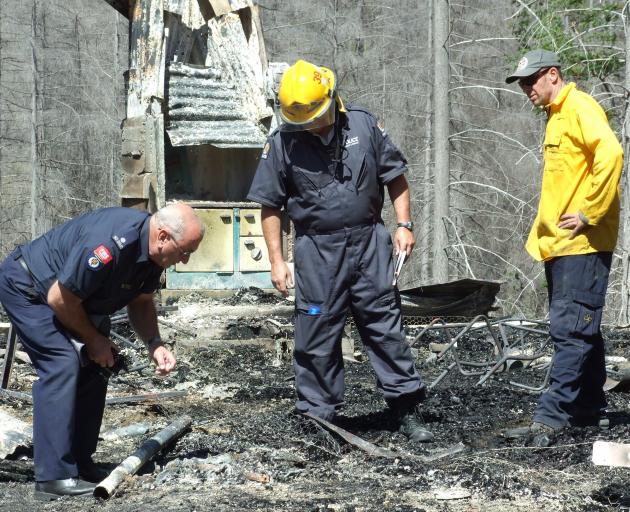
x=307, y=97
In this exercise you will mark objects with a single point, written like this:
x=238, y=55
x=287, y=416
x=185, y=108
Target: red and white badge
x=103, y=254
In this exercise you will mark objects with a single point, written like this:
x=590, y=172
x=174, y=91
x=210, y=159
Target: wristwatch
x=408, y=225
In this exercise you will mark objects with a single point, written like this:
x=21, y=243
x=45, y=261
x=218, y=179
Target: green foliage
x=583, y=37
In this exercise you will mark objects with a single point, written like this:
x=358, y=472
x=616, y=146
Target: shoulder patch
x=265, y=151
x=119, y=241
x=93, y=262
x=103, y=254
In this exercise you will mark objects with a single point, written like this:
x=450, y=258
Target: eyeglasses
x=528, y=81
x=184, y=254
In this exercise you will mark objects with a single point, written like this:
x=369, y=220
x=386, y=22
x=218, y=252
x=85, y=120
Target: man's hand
x=164, y=360
x=572, y=221
x=403, y=241
x=281, y=277
x=101, y=350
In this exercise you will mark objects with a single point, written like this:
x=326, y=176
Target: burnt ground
x=247, y=451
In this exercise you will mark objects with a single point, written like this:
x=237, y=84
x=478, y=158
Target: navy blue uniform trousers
x=577, y=289
x=350, y=269
x=68, y=400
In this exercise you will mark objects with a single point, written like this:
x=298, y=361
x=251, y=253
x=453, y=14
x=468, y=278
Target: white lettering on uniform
x=352, y=142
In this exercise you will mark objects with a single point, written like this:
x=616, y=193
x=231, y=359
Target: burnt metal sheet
x=253, y=254
x=464, y=297
x=216, y=251
x=234, y=47
x=146, y=59
x=251, y=224
x=206, y=108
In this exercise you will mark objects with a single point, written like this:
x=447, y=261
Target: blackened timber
x=148, y=397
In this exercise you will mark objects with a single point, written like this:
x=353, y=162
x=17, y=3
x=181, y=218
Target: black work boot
x=411, y=425
x=53, y=489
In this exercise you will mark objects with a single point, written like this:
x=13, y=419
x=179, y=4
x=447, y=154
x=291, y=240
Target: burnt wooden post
x=143, y=129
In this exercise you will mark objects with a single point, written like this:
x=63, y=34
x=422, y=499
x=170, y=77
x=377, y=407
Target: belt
x=345, y=229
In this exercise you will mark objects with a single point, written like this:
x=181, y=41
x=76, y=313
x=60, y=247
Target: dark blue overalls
x=102, y=257
x=333, y=193
x=577, y=289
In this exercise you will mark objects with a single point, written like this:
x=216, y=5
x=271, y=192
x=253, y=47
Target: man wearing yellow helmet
x=327, y=166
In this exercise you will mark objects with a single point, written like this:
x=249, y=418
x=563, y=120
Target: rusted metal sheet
x=235, y=51
x=206, y=108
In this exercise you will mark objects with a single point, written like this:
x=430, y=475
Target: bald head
x=175, y=233
x=177, y=218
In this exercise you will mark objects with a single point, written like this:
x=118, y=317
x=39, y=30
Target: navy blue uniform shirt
x=101, y=256
x=329, y=187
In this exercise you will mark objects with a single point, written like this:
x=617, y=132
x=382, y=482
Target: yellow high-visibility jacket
x=583, y=161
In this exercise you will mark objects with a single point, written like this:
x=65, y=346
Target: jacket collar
x=556, y=104
x=143, y=253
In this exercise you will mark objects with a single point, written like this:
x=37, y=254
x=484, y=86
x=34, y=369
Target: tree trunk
x=624, y=236
x=440, y=137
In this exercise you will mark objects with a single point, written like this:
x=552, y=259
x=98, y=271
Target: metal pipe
x=124, y=341
x=535, y=388
x=135, y=461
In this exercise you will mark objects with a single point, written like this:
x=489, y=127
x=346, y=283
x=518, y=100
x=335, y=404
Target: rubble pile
x=247, y=450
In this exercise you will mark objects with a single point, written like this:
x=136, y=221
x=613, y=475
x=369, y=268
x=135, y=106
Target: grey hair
x=170, y=218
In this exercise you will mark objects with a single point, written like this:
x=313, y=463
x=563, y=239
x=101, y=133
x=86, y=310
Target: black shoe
x=91, y=472
x=53, y=489
x=412, y=426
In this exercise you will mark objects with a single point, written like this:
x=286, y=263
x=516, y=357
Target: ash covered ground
x=247, y=451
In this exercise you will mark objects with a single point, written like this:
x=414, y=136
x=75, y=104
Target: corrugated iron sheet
x=203, y=108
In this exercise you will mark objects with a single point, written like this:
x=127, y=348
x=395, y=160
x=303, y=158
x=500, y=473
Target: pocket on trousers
x=313, y=278
x=588, y=313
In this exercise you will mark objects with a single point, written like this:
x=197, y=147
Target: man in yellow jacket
x=574, y=233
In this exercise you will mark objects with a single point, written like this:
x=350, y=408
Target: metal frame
x=9, y=355
x=497, y=335
x=12, y=340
